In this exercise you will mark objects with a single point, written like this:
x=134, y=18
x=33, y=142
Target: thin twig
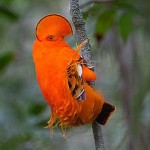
x=86, y=54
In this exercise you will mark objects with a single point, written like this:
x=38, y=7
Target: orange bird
x=63, y=77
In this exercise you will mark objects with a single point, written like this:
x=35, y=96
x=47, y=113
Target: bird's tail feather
x=106, y=112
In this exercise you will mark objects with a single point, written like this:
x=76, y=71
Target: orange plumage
x=62, y=76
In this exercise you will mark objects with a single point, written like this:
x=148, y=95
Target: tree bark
x=87, y=56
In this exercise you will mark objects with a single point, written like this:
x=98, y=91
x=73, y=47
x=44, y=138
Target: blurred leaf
x=15, y=140
x=140, y=7
x=37, y=108
x=105, y=22
x=129, y=6
x=6, y=2
x=85, y=15
x=95, y=10
x=5, y=59
x=8, y=13
x=126, y=25
x=42, y=123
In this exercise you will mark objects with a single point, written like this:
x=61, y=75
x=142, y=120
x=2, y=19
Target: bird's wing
x=75, y=80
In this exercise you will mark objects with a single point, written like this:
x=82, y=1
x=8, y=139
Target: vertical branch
x=98, y=136
x=79, y=24
x=86, y=54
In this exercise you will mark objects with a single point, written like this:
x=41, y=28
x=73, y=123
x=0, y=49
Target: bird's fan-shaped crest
x=53, y=24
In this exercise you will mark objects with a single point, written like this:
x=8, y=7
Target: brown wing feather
x=75, y=82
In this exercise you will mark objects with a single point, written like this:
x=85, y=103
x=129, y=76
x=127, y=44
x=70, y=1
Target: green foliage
x=7, y=13
x=95, y=10
x=13, y=142
x=24, y=112
x=125, y=6
x=5, y=59
x=36, y=109
x=126, y=25
x=105, y=22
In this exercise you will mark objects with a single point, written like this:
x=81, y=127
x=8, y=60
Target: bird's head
x=52, y=29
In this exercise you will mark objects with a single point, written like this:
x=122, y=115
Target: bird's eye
x=50, y=38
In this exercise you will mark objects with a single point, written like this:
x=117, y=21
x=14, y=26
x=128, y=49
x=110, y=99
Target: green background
x=119, y=33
